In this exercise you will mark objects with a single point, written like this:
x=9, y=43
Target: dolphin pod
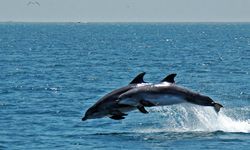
x=108, y=105
x=138, y=94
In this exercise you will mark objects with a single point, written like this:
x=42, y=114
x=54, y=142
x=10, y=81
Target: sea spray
x=191, y=118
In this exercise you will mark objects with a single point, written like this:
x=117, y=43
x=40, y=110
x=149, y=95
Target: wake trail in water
x=190, y=118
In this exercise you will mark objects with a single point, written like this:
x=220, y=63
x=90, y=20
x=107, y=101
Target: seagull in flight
x=34, y=3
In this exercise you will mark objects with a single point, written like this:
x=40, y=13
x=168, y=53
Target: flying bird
x=34, y=3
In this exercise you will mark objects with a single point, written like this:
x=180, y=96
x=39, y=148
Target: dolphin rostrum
x=164, y=93
x=108, y=106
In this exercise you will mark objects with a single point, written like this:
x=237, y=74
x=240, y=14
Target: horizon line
x=83, y=22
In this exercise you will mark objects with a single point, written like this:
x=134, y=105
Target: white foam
x=189, y=118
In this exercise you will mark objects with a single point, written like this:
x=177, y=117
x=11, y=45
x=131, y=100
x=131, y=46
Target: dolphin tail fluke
x=217, y=107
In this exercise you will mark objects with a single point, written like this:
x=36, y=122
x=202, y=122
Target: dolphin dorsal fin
x=138, y=79
x=169, y=78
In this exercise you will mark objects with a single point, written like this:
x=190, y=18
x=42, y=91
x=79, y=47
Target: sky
x=125, y=10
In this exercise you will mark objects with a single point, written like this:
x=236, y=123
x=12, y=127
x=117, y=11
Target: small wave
x=112, y=133
x=191, y=118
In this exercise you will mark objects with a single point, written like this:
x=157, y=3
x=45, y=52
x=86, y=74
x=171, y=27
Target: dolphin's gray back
x=153, y=89
x=168, y=89
x=174, y=90
x=110, y=97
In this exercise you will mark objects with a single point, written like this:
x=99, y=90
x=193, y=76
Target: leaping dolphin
x=108, y=106
x=164, y=93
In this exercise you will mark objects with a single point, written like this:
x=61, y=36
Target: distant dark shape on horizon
x=33, y=3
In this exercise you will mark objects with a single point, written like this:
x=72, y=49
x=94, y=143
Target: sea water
x=51, y=73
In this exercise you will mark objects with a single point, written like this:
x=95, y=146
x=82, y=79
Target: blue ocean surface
x=51, y=73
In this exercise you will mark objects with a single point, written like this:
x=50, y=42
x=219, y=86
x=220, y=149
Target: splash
x=189, y=118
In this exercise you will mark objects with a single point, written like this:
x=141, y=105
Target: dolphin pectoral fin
x=169, y=78
x=138, y=79
x=142, y=109
x=147, y=103
x=117, y=117
x=217, y=107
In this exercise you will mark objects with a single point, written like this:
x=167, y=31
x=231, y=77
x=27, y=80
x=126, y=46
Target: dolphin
x=164, y=93
x=108, y=106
